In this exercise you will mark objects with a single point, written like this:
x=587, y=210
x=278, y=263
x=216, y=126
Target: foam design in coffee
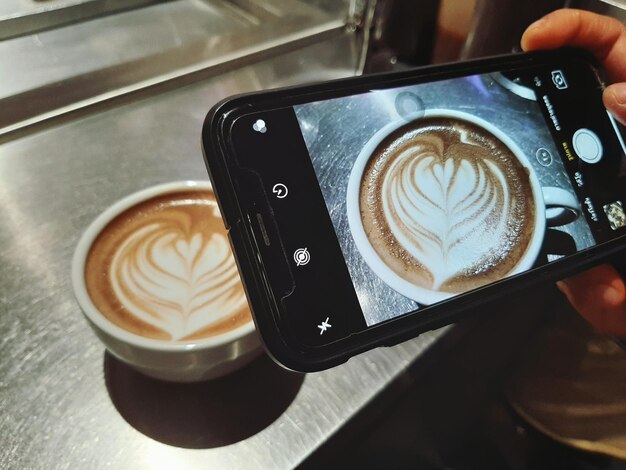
x=168, y=271
x=446, y=205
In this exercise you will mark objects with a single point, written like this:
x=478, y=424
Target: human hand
x=598, y=294
x=603, y=36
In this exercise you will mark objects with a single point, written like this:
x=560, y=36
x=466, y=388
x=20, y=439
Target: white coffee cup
x=180, y=361
x=553, y=206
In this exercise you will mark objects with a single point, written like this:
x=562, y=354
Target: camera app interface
x=439, y=188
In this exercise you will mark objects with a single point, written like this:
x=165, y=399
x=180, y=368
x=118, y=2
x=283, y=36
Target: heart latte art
x=164, y=269
x=446, y=205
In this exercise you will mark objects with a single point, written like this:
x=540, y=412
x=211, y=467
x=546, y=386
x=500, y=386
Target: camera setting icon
x=301, y=256
x=280, y=190
x=324, y=326
x=558, y=78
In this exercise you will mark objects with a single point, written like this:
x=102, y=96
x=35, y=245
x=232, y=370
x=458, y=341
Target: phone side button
x=268, y=262
x=266, y=238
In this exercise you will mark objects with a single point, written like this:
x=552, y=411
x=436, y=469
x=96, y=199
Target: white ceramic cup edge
x=109, y=332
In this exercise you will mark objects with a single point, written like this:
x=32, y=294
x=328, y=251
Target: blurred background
x=100, y=98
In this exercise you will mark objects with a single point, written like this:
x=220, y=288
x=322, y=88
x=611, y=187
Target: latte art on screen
x=164, y=269
x=446, y=205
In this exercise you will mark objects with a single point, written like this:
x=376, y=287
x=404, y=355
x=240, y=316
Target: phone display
x=389, y=205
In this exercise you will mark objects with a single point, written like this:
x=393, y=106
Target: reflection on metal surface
x=20, y=17
x=75, y=67
x=409, y=106
x=514, y=87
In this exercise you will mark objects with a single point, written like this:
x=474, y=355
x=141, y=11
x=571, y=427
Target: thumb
x=614, y=98
x=599, y=295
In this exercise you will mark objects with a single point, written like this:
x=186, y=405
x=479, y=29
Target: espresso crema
x=164, y=269
x=446, y=205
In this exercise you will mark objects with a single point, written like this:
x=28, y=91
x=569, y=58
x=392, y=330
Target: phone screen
x=428, y=188
x=438, y=188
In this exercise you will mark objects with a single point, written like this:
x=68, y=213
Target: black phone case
x=217, y=153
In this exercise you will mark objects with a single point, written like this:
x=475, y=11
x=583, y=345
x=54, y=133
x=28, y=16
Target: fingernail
x=619, y=93
x=612, y=296
x=615, y=101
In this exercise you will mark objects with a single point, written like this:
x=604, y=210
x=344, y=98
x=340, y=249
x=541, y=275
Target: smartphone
x=365, y=211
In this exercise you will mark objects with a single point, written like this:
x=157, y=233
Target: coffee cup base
x=225, y=345
x=183, y=375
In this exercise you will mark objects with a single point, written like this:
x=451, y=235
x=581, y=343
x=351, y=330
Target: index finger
x=603, y=36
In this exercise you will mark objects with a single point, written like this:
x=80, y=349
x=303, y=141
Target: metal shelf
x=70, y=68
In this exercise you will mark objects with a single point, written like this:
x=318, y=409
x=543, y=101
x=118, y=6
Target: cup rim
x=92, y=313
x=367, y=251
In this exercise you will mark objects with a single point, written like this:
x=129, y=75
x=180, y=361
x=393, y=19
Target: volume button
x=252, y=231
x=268, y=257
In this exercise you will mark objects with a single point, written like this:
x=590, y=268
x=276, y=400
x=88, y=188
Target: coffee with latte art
x=164, y=269
x=446, y=205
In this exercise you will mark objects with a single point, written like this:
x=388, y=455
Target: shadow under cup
x=156, y=279
x=447, y=202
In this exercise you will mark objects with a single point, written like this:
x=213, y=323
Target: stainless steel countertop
x=64, y=402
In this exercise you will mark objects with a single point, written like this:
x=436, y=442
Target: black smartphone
x=365, y=211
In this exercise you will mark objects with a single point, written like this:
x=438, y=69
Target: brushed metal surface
x=64, y=403
x=18, y=17
x=61, y=70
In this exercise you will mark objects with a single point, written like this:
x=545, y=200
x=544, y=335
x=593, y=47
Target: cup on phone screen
x=446, y=203
x=156, y=279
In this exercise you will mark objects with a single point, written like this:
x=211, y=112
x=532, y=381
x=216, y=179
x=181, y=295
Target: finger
x=603, y=36
x=615, y=101
x=599, y=295
x=603, y=279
